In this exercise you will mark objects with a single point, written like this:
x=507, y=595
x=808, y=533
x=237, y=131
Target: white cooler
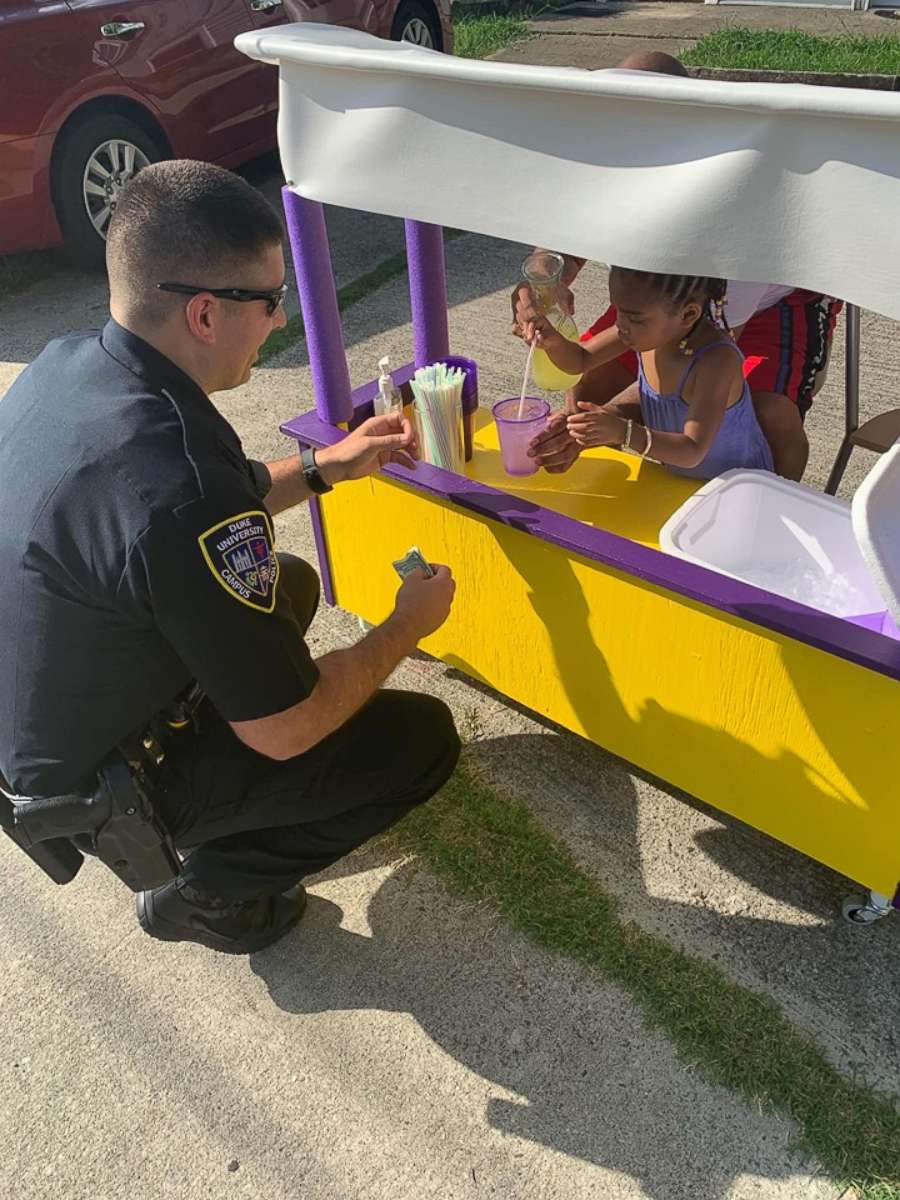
x=782, y=537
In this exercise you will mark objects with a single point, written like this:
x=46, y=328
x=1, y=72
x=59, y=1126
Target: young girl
x=691, y=407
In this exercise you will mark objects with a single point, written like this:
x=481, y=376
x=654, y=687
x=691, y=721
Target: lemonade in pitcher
x=543, y=270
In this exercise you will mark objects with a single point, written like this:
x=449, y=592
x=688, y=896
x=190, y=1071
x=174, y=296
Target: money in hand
x=411, y=561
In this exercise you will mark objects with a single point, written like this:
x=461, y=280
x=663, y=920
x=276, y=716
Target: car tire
x=417, y=23
x=89, y=154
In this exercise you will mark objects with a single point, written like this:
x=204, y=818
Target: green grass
x=477, y=34
x=792, y=50
x=492, y=849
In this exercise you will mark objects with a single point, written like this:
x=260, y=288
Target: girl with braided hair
x=690, y=408
x=785, y=333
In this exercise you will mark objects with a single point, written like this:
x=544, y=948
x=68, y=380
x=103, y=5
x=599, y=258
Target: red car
x=92, y=90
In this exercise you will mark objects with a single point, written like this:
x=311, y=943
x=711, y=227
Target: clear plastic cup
x=517, y=431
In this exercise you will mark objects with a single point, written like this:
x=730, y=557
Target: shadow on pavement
x=590, y=1080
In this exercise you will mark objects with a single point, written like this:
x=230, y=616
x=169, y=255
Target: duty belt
x=117, y=818
x=146, y=749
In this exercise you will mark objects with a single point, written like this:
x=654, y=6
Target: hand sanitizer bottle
x=388, y=398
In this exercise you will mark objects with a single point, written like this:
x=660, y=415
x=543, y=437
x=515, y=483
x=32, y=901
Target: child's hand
x=594, y=426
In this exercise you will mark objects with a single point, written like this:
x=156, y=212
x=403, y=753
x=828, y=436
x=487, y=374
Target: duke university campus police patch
x=239, y=553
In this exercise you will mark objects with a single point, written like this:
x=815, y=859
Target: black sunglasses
x=243, y=296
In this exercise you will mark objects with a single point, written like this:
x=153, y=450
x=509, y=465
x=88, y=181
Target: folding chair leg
x=840, y=466
x=851, y=397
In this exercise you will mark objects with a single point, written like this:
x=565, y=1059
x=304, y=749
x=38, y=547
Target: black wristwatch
x=311, y=472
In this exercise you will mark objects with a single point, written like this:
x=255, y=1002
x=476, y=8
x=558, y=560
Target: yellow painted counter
x=790, y=738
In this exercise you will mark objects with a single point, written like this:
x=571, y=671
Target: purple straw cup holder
x=469, y=394
x=516, y=431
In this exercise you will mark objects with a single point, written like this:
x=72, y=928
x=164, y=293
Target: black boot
x=181, y=912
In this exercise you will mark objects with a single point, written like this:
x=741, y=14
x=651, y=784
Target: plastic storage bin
x=782, y=537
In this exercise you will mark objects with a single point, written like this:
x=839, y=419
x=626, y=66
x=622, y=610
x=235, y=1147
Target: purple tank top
x=739, y=441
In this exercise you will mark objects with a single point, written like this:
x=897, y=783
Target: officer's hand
x=425, y=603
x=371, y=446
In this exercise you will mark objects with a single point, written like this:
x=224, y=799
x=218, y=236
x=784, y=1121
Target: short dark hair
x=184, y=222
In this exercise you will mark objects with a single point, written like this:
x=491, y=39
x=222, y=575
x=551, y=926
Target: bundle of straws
x=438, y=409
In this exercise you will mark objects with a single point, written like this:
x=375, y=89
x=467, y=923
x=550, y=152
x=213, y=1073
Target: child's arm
x=713, y=384
x=575, y=358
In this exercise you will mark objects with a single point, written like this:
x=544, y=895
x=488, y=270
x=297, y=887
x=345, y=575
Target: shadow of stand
x=565, y=1041
x=589, y=1080
x=783, y=956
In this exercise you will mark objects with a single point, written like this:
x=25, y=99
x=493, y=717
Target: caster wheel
x=859, y=910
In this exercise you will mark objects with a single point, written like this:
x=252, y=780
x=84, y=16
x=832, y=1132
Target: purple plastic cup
x=469, y=396
x=516, y=432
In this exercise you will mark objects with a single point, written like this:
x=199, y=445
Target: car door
x=358, y=14
x=37, y=80
x=180, y=56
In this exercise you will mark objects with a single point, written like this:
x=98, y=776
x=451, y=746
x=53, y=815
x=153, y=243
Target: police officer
x=136, y=557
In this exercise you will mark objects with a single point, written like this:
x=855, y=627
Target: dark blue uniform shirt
x=136, y=555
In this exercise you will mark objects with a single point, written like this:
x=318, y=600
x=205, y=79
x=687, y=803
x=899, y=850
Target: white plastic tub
x=876, y=524
x=782, y=537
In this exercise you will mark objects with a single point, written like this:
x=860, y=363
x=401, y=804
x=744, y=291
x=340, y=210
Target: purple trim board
x=757, y=607
x=315, y=512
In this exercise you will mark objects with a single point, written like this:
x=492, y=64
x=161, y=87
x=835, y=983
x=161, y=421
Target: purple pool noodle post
x=427, y=290
x=318, y=303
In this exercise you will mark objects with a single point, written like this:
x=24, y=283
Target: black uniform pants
x=259, y=826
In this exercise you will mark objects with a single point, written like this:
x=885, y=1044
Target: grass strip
x=477, y=34
x=491, y=848
x=351, y=293
x=793, y=50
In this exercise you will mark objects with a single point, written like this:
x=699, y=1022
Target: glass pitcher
x=543, y=271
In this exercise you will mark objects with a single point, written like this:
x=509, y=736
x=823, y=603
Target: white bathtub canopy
x=777, y=183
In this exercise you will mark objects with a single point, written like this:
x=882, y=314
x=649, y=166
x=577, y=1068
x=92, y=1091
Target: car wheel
x=418, y=24
x=96, y=159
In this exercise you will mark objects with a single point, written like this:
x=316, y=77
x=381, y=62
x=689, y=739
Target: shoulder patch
x=240, y=553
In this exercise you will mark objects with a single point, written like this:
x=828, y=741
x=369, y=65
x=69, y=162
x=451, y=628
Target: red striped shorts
x=785, y=346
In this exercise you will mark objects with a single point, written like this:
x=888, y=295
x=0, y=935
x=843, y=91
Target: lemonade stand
x=763, y=705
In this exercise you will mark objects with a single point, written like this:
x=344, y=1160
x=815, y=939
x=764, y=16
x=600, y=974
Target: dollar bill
x=413, y=559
